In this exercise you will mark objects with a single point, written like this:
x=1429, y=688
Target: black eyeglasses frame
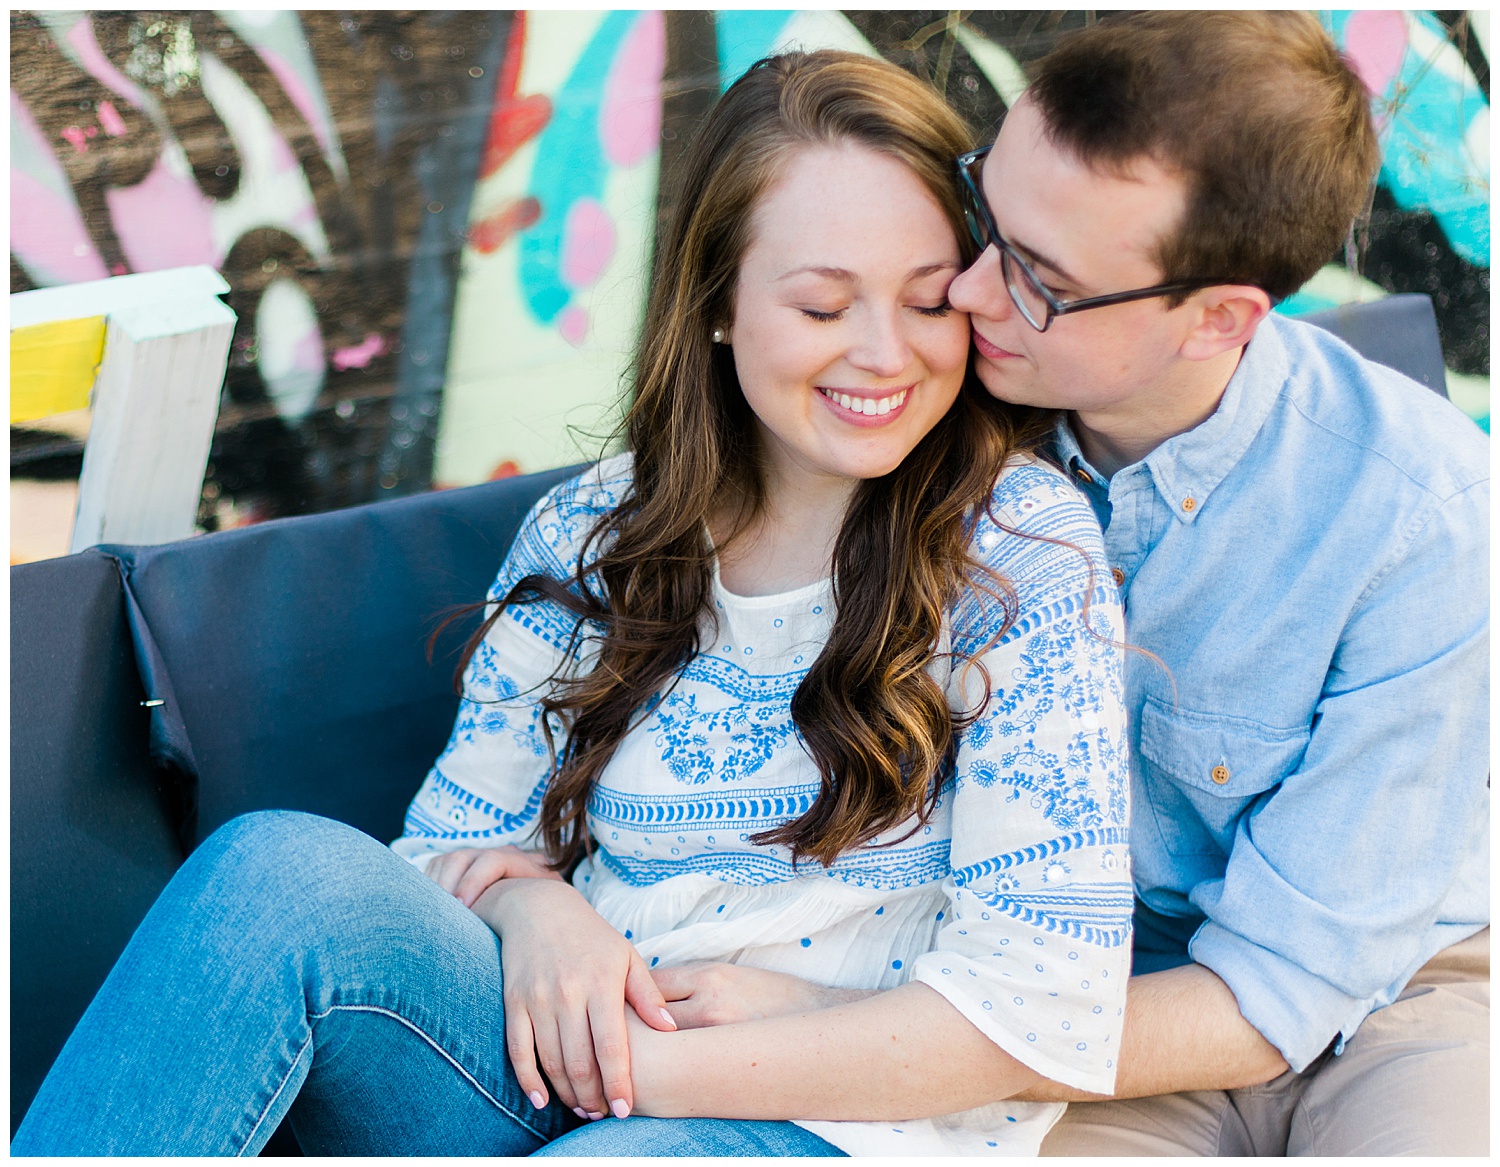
x=985, y=231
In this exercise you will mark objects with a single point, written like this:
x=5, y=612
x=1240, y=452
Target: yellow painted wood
x=52, y=366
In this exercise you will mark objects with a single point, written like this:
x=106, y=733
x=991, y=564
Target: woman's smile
x=864, y=407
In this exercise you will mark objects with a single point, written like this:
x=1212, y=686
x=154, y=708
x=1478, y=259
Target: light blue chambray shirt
x=1310, y=769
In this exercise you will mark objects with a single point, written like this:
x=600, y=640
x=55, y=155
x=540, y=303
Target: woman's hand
x=465, y=873
x=568, y=976
x=706, y=993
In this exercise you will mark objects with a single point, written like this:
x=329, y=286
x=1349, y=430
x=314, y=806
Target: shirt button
x=1220, y=774
x=1119, y=576
x=1190, y=504
x=1084, y=475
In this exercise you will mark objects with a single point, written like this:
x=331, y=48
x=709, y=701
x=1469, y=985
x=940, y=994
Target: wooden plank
x=155, y=403
x=106, y=297
x=165, y=343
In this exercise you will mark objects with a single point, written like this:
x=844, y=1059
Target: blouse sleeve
x=1035, y=950
x=486, y=787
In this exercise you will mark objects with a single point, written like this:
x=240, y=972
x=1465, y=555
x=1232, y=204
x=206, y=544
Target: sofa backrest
x=290, y=656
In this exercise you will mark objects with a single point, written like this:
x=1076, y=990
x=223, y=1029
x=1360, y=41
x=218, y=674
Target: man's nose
x=980, y=289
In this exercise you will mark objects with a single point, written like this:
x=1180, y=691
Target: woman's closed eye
x=830, y=315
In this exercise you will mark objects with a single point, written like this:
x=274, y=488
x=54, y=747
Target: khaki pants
x=1415, y=1080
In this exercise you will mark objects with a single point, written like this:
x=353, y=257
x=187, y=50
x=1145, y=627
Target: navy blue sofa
x=157, y=692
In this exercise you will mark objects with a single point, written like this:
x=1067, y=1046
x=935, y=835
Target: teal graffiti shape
x=1428, y=162
x=570, y=165
x=744, y=37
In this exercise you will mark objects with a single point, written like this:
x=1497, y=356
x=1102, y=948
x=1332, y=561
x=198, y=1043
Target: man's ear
x=1227, y=317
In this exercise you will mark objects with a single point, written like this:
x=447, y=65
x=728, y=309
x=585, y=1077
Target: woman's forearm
x=901, y=1054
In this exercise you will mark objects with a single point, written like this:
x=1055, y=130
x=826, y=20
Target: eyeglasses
x=1032, y=299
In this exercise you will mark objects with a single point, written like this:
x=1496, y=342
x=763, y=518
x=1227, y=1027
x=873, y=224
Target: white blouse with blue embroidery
x=1013, y=901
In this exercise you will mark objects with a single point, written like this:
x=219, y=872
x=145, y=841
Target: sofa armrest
x=92, y=829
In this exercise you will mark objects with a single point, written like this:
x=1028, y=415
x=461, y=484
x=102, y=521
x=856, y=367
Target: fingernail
x=595, y=1115
x=667, y=1017
x=578, y=1110
x=619, y=1108
x=538, y=1099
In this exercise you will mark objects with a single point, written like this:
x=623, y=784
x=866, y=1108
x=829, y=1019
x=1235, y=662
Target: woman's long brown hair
x=876, y=724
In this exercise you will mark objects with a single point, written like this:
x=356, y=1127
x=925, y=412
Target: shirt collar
x=1188, y=467
x=1069, y=453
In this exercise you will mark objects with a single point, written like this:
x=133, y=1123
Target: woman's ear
x=1228, y=315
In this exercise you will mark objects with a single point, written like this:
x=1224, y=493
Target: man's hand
x=465, y=873
x=707, y=993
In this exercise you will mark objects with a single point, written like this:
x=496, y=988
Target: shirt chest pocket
x=1200, y=772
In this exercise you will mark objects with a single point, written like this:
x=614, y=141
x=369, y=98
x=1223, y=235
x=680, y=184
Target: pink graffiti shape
x=76, y=136
x=574, y=325
x=307, y=355
x=47, y=235
x=1376, y=43
x=630, y=113
x=163, y=221
x=110, y=119
x=357, y=356
x=588, y=244
x=301, y=96
x=82, y=41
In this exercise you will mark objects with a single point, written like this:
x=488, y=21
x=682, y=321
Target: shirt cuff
x=1081, y=1055
x=1294, y=1010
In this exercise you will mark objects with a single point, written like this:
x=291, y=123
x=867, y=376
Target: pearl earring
x=717, y=336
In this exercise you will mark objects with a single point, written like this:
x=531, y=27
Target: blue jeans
x=296, y=967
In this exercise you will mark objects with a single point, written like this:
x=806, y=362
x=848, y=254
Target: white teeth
x=869, y=406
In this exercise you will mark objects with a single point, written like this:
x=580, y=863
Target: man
x=1301, y=540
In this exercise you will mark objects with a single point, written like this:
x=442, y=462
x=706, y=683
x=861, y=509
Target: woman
x=814, y=704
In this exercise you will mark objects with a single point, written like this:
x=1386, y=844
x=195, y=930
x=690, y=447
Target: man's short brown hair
x=1257, y=110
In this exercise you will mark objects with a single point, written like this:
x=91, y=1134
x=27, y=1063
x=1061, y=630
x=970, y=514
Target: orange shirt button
x=1189, y=504
x=1119, y=577
x=1220, y=774
x=1083, y=475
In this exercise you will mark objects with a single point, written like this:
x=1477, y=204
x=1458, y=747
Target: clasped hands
x=569, y=976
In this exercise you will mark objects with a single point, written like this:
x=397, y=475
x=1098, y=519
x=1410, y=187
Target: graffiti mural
x=323, y=161
x=438, y=227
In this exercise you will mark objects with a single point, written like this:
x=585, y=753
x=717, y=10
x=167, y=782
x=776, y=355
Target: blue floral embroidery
x=749, y=734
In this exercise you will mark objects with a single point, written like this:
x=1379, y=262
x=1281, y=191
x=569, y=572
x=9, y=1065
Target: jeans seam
x=430, y=1040
x=250, y=1138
